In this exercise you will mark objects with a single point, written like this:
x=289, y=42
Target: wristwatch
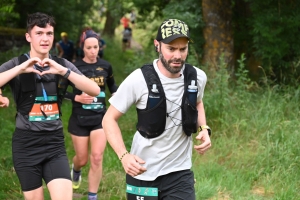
x=204, y=127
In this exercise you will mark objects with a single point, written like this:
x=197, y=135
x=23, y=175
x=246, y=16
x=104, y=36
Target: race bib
x=98, y=102
x=44, y=112
x=141, y=193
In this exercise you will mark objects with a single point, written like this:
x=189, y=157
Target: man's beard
x=166, y=64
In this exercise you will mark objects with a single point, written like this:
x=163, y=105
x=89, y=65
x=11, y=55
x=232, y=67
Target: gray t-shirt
x=22, y=122
x=172, y=150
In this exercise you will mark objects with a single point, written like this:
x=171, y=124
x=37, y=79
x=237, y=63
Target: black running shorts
x=39, y=155
x=174, y=186
x=82, y=128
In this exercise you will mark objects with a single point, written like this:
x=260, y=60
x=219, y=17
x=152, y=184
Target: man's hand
x=4, y=102
x=132, y=165
x=206, y=143
x=54, y=67
x=27, y=66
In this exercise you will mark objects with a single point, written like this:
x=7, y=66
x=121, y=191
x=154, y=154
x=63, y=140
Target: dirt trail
x=135, y=45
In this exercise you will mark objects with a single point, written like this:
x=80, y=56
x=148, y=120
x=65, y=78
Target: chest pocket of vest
x=189, y=118
x=151, y=123
x=27, y=93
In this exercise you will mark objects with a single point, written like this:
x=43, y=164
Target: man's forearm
x=113, y=132
x=6, y=76
x=201, y=114
x=84, y=84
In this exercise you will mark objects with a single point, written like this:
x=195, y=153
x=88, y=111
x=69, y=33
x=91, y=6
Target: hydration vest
x=27, y=93
x=152, y=121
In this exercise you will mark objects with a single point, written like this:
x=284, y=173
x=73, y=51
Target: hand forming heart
x=54, y=67
x=27, y=66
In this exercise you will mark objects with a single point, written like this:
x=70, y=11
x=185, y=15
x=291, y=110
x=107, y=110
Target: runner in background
x=126, y=38
x=132, y=18
x=85, y=123
x=125, y=21
x=66, y=48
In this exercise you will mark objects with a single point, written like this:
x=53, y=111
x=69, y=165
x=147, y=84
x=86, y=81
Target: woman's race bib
x=98, y=103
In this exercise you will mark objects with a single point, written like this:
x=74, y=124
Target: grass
x=255, y=150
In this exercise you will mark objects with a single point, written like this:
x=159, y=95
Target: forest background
x=250, y=52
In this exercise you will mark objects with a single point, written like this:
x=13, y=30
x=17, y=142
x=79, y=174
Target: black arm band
x=67, y=74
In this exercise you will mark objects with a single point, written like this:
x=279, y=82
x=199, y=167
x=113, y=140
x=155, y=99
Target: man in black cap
x=168, y=96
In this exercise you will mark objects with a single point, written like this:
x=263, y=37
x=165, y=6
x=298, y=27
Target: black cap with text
x=172, y=29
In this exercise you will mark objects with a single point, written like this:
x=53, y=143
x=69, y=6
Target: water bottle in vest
x=154, y=97
x=192, y=93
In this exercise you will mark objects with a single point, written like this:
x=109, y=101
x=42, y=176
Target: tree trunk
x=109, y=27
x=244, y=40
x=218, y=34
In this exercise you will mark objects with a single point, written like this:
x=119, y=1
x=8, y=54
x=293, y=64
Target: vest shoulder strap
x=59, y=60
x=189, y=114
x=27, y=89
x=190, y=74
x=27, y=80
x=151, y=78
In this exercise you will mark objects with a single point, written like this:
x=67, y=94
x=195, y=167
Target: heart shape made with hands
x=32, y=64
x=46, y=62
x=43, y=63
x=54, y=67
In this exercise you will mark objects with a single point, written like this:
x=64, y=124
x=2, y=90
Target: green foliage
x=220, y=86
x=147, y=7
x=118, y=9
x=190, y=12
x=7, y=16
x=12, y=31
x=70, y=16
x=153, y=12
x=4, y=56
x=254, y=153
x=243, y=81
x=273, y=26
x=138, y=60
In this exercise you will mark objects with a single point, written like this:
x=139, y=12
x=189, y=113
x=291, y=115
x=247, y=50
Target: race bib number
x=98, y=102
x=141, y=193
x=44, y=112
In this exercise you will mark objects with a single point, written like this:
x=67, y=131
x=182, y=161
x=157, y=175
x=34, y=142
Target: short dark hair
x=39, y=19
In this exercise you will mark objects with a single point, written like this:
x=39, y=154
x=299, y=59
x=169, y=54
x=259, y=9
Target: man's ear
x=156, y=45
x=27, y=36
